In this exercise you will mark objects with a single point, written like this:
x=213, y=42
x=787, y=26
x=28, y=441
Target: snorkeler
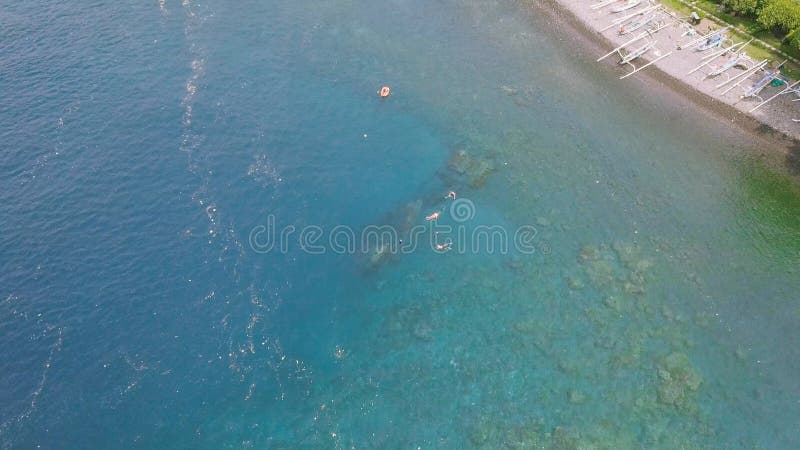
x=433, y=216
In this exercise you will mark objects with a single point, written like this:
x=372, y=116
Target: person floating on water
x=385, y=92
x=434, y=216
x=444, y=247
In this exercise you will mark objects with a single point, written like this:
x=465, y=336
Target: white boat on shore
x=732, y=61
x=626, y=5
x=636, y=24
x=755, y=89
x=633, y=54
x=712, y=42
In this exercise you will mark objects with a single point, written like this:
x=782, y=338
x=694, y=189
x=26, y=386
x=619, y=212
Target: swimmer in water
x=451, y=195
x=445, y=247
x=433, y=216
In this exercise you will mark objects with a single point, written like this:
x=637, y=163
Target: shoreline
x=773, y=137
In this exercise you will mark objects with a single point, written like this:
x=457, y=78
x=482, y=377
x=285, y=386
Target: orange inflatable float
x=385, y=91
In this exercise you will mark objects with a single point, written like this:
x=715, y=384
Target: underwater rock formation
x=677, y=381
x=475, y=170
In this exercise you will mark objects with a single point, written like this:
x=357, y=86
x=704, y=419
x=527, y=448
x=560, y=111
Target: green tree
x=780, y=15
x=793, y=39
x=742, y=7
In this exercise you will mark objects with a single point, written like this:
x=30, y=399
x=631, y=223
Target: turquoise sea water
x=141, y=143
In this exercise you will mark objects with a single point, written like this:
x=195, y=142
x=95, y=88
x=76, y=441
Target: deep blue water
x=141, y=143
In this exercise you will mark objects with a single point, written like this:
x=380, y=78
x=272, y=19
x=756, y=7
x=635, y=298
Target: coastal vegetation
x=781, y=18
x=775, y=23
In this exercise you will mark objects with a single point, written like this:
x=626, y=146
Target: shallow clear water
x=141, y=145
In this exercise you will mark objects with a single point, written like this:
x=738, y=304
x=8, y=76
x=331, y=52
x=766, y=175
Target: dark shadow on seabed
x=793, y=159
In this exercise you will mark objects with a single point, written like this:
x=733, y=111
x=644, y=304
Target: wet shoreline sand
x=776, y=146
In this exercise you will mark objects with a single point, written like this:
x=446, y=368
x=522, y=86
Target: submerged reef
x=678, y=380
x=473, y=169
x=595, y=353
